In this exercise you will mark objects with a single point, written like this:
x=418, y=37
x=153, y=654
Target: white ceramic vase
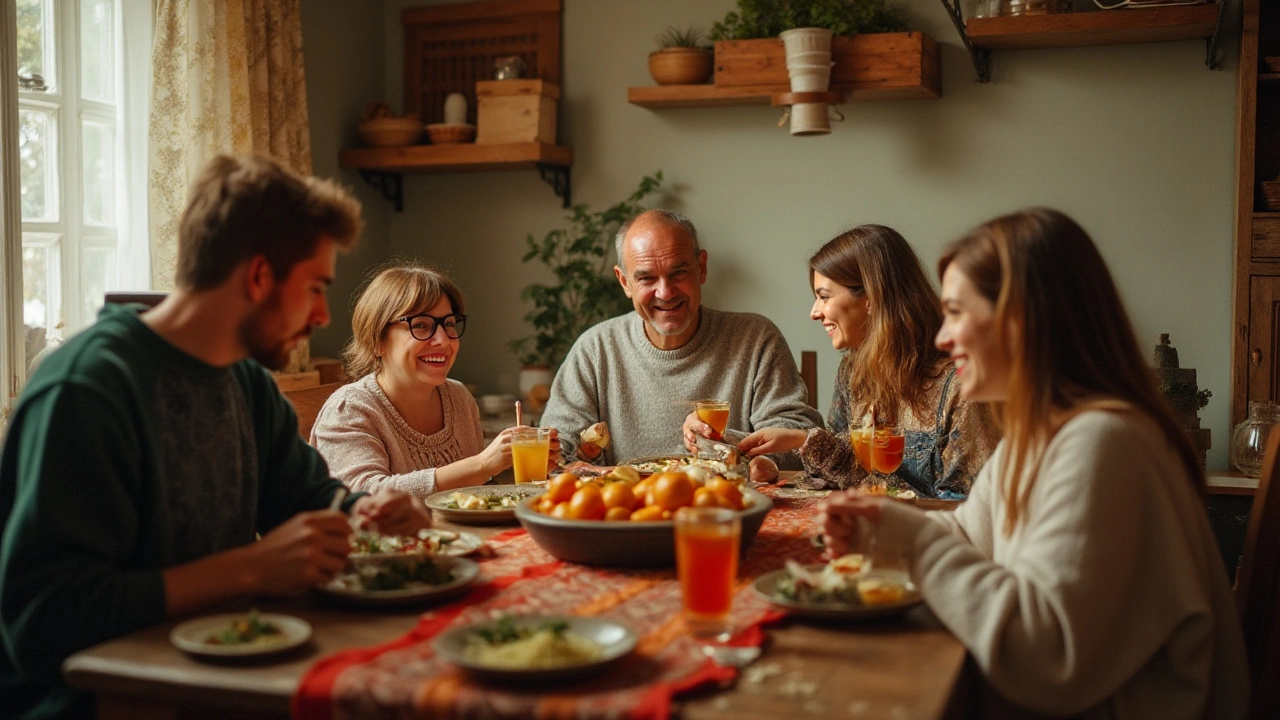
x=535, y=387
x=809, y=67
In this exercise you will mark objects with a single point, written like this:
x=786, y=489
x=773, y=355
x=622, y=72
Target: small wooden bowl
x=1271, y=194
x=390, y=132
x=681, y=66
x=451, y=134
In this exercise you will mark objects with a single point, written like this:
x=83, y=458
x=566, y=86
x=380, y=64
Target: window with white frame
x=82, y=152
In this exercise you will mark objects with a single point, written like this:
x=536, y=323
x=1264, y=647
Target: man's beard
x=268, y=349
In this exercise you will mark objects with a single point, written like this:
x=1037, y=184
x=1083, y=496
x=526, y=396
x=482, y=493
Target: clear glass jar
x=1249, y=440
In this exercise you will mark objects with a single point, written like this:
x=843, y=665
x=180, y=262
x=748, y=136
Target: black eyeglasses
x=424, y=326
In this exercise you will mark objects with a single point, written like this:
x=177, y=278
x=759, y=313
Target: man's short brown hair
x=242, y=206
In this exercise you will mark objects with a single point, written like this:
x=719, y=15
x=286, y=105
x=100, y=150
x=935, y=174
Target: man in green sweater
x=144, y=454
x=640, y=372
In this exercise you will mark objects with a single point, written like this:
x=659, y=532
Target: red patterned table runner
x=405, y=679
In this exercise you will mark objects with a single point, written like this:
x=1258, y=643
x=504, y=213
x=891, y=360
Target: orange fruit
x=703, y=497
x=618, y=513
x=562, y=487
x=561, y=510
x=672, y=490
x=544, y=504
x=728, y=490
x=641, y=490
x=587, y=504
x=618, y=495
x=647, y=514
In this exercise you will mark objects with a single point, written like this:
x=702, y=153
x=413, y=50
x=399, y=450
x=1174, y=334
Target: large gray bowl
x=622, y=543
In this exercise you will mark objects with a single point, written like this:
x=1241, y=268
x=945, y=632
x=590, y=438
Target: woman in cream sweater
x=403, y=423
x=1081, y=572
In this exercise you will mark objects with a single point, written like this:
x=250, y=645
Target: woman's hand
x=497, y=456
x=839, y=520
x=767, y=441
x=394, y=512
x=693, y=427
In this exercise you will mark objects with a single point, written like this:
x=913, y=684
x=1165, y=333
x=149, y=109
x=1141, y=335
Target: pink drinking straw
x=518, y=413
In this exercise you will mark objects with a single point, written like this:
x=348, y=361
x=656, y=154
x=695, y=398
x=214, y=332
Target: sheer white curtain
x=228, y=76
x=13, y=358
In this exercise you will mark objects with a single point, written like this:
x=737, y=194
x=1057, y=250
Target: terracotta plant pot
x=680, y=66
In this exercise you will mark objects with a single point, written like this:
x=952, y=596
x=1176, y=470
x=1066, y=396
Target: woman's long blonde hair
x=396, y=290
x=1069, y=343
x=898, y=358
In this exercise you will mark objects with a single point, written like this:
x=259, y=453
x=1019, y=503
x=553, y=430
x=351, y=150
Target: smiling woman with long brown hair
x=1081, y=573
x=876, y=303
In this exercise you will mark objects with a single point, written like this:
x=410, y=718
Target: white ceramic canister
x=455, y=109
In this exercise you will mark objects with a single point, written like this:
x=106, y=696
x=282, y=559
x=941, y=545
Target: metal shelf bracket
x=981, y=57
x=557, y=176
x=1211, y=46
x=391, y=185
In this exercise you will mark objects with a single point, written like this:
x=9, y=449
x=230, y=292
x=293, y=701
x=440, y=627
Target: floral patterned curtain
x=228, y=77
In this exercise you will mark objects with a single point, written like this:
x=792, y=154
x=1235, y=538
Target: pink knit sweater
x=369, y=446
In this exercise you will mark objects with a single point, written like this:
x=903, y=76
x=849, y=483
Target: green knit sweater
x=126, y=456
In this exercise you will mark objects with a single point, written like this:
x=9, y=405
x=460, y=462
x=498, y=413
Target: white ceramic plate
x=191, y=636
x=767, y=587
x=438, y=503
x=464, y=573
x=615, y=641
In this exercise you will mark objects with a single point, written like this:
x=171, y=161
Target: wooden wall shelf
x=1104, y=27
x=878, y=66
x=1123, y=26
x=383, y=167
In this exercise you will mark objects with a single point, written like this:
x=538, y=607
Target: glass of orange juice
x=714, y=413
x=707, y=563
x=530, y=453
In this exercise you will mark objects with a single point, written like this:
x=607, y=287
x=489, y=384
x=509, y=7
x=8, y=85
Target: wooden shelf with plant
x=1115, y=27
x=874, y=59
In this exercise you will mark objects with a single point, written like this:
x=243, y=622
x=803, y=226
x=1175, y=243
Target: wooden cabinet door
x=1264, y=334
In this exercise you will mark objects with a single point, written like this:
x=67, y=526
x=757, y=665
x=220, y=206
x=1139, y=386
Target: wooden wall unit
x=449, y=48
x=1255, y=367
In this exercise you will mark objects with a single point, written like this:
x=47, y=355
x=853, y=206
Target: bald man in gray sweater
x=640, y=372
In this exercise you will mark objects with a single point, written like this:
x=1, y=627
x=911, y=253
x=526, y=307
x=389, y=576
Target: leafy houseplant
x=681, y=58
x=585, y=291
x=767, y=18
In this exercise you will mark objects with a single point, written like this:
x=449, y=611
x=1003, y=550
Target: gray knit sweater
x=615, y=375
x=369, y=445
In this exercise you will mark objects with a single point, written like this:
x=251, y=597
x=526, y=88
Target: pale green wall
x=1135, y=142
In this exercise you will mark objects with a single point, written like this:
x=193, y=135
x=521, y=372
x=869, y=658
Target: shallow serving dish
x=190, y=636
x=464, y=573
x=766, y=586
x=615, y=642
x=624, y=543
x=438, y=504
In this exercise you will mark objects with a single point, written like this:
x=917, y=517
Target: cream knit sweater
x=1108, y=600
x=370, y=446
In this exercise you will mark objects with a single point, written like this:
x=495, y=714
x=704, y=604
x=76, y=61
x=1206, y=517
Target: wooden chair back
x=1258, y=587
x=809, y=373
x=307, y=403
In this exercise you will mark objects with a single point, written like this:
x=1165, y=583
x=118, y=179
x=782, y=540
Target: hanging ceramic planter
x=808, y=52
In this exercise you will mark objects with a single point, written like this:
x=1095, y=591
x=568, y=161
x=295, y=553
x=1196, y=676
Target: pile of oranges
x=656, y=497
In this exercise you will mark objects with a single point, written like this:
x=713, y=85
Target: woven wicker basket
x=1273, y=63
x=1271, y=194
x=447, y=134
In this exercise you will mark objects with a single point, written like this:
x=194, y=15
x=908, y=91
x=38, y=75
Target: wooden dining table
x=906, y=667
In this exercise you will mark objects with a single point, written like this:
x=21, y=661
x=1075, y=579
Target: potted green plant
x=681, y=58
x=768, y=18
x=584, y=291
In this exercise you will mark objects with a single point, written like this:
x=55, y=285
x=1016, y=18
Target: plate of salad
x=240, y=634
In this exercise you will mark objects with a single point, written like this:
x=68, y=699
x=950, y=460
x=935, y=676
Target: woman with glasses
x=876, y=303
x=403, y=423
x=1081, y=573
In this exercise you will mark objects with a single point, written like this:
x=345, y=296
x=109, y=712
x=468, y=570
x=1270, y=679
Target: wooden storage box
x=862, y=63
x=516, y=111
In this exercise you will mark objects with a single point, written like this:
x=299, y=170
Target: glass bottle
x=1249, y=440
